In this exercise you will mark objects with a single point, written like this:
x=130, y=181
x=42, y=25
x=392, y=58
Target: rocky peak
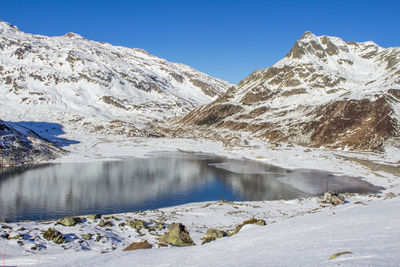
x=73, y=35
x=7, y=27
x=325, y=92
x=307, y=36
x=310, y=44
x=322, y=47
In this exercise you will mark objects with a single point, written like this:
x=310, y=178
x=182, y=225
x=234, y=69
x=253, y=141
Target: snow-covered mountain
x=325, y=92
x=104, y=88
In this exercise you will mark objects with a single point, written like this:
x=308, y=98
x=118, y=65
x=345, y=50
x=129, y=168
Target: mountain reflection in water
x=164, y=179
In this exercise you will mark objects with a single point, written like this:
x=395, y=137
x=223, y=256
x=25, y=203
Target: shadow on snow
x=46, y=130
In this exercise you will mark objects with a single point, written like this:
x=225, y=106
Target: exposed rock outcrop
x=325, y=93
x=177, y=236
x=138, y=245
x=333, y=198
x=213, y=234
x=70, y=221
x=54, y=235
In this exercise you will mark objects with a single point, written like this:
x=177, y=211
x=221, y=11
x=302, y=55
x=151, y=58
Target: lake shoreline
x=301, y=214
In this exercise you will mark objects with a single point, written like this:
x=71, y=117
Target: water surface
x=165, y=179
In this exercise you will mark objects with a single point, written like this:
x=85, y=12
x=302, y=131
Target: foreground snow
x=298, y=232
x=370, y=231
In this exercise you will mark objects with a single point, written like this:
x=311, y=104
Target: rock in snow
x=177, y=236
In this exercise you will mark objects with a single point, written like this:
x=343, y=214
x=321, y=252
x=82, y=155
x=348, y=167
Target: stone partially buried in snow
x=138, y=245
x=70, y=221
x=137, y=224
x=54, y=235
x=177, y=236
x=260, y=222
x=213, y=234
x=94, y=216
x=333, y=198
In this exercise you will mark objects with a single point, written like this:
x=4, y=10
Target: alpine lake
x=51, y=191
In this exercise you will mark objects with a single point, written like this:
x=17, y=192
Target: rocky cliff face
x=103, y=88
x=325, y=92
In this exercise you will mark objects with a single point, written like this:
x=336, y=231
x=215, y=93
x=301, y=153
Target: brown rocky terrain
x=325, y=92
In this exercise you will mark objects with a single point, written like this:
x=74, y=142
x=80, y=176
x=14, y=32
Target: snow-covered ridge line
x=325, y=92
x=101, y=87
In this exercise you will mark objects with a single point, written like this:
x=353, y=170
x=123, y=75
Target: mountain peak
x=5, y=27
x=73, y=35
x=319, y=46
x=307, y=36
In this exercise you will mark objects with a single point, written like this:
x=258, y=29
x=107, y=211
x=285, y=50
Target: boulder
x=17, y=236
x=213, y=234
x=137, y=224
x=87, y=236
x=94, y=216
x=54, y=235
x=98, y=237
x=104, y=223
x=138, y=245
x=70, y=221
x=333, y=198
x=177, y=236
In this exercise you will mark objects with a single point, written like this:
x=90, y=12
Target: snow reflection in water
x=164, y=179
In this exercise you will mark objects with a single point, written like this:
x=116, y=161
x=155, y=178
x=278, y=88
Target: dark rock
x=138, y=245
x=98, y=237
x=104, y=223
x=54, y=235
x=87, y=236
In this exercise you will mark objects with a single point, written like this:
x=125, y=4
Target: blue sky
x=226, y=39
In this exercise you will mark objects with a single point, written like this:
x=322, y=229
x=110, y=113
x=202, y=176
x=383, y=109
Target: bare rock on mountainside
x=325, y=92
x=95, y=86
x=23, y=146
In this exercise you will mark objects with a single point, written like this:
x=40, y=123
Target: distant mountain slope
x=104, y=88
x=19, y=145
x=325, y=92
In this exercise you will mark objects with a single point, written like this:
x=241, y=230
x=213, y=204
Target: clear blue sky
x=228, y=39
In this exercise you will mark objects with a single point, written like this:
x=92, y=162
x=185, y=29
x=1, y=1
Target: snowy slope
x=109, y=89
x=19, y=145
x=325, y=92
x=298, y=233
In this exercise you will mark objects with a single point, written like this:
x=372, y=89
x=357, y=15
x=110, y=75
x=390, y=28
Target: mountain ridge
x=324, y=92
x=75, y=79
x=87, y=87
